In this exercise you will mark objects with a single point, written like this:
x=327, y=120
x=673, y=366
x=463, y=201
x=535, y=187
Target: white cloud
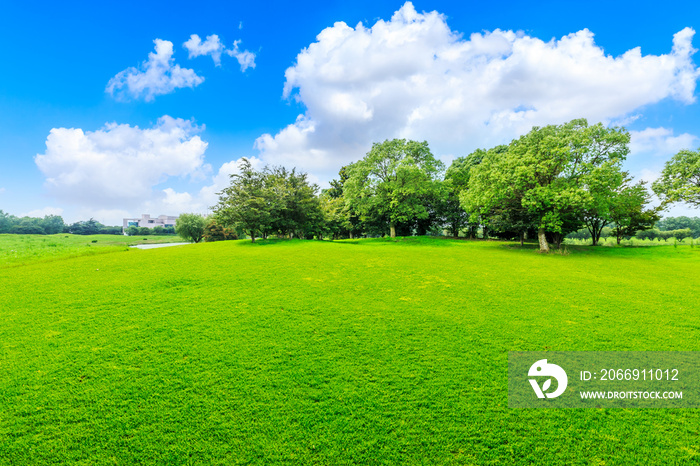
x=648, y=175
x=156, y=76
x=414, y=77
x=660, y=142
x=118, y=166
x=214, y=47
x=41, y=213
x=245, y=58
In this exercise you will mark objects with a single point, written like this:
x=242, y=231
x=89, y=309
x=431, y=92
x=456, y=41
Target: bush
x=678, y=234
x=111, y=230
x=682, y=234
x=654, y=233
x=27, y=230
x=214, y=231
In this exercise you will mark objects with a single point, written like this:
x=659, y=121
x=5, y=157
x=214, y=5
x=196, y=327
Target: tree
x=680, y=179
x=628, y=211
x=52, y=224
x=544, y=175
x=296, y=210
x=190, y=227
x=89, y=227
x=247, y=203
x=336, y=220
x=340, y=218
x=456, y=182
x=604, y=185
x=391, y=183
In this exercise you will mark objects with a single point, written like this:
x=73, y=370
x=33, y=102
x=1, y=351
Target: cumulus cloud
x=157, y=76
x=119, y=165
x=414, y=77
x=214, y=47
x=660, y=142
x=41, y=213
x=245, y=58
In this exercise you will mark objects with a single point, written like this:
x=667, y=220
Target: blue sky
x=91, y=128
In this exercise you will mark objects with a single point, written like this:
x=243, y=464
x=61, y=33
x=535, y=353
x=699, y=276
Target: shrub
x=653, y=233
x=27, y=230
x=214, y=231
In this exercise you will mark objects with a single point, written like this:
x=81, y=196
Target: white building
x=148, y=222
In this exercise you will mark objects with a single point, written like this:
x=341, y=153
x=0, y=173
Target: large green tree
x=680, y=179
x=247, y=202
x=297, y=210
x=392, y=182
x=544, y=175
x=190, y=227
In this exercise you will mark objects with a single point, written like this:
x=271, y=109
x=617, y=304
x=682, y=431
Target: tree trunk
x=522, y=238
x=252, y=236
x=544, y=246
x=392, y=230
x=351, y=235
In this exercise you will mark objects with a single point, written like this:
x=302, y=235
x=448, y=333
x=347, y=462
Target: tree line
x=551, y=182
x=53, y=224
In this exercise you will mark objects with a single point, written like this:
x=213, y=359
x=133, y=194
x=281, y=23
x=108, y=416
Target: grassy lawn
x=23, y=249
x=350, y=352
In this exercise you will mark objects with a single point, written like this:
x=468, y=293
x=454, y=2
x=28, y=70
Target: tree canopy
x=680, y=179
x=549, y=182
x=274, y=200
x=190, y=227
x=393, y=182
x=545, y=177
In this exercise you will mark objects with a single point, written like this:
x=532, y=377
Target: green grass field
x=24, y=249
x=351, y=352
